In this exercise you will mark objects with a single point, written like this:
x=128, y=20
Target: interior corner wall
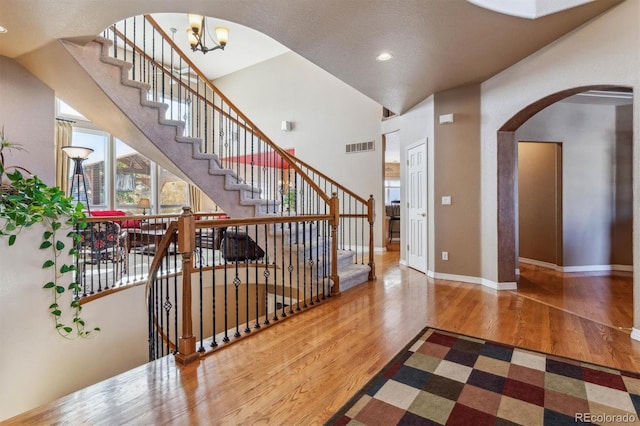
x=27, y=112
x=417, y=125
x=457, y=174
x=326, y=114
x=623, y=181
x=592, y=155
x=583, y=57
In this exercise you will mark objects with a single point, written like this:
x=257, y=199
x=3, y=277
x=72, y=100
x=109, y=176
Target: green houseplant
x=26, y=201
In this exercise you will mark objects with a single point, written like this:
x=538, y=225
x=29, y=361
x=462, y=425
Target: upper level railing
x=237, y=276
x=292, y=186
x=117, y=251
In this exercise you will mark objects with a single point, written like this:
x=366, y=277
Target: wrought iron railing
x=238, y=276
x=292, y=186
x=117, y=251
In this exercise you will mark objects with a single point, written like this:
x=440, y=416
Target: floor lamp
x=78, y=154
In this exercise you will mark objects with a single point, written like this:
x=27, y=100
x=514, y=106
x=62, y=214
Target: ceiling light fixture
x=2, y=29
x=197, y=35
x=384, y=56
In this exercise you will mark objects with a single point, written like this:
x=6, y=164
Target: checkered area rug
x=448, y=379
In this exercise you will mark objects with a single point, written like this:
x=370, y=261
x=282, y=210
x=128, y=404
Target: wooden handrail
x=291, y=158
x=240, y=114
x=262, y=220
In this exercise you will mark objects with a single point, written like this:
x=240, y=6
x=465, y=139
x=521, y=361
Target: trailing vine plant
x=25, y=201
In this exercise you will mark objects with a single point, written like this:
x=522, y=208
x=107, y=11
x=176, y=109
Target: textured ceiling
x=436, y=44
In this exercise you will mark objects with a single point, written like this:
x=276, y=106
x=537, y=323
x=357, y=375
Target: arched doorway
x=507, y=170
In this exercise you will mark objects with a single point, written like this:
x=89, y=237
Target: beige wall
x=457, y=174
x=540, y=202
x=326, y=114
x=38, y=364
x=597, y=199
x=27, y=112
x=582, y=58
x=622, y=229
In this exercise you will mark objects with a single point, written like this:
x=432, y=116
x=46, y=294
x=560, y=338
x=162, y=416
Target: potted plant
x=25, y=200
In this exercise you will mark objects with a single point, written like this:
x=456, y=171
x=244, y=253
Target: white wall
x=326, y=114
x=589, y=164
x=37, y=365
x=417, y=124
x=604, y=51
x=27, y=112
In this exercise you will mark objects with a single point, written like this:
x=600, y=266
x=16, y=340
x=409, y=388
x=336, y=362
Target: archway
x=507, y=170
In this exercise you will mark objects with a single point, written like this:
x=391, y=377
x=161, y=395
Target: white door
x=416, y=179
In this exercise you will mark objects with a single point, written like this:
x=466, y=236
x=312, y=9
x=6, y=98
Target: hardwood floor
x=304, y=370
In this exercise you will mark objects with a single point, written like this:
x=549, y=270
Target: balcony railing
x=238, y=276
x=292, y=186
x=117, y=251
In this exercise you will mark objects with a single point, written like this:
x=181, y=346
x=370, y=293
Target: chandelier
x=197, y=35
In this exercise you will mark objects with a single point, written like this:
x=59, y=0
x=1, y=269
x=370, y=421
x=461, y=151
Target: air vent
x=360, y=147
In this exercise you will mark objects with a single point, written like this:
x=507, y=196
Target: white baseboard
x=403, y=262
x=597, y=268
x=581, y=268
x=474, y=280
x=538, y=263
x=635, y=334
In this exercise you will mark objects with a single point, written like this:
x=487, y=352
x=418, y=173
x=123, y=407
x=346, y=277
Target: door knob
x=423, y=214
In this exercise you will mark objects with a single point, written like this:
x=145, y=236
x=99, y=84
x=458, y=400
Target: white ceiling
x=436, y=44
x=246, y=47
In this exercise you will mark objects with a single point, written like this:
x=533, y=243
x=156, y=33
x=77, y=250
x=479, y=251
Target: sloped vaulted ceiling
x=436, y=44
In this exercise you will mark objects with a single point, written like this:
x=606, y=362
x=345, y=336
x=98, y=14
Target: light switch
x=446, y=200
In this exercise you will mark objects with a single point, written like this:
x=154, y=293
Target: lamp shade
x=77, y=151
x=195, y=22
x=144, y=203
x=222, y=34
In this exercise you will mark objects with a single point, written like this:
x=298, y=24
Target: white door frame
x=419, y=262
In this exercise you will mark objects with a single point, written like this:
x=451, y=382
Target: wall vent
x=352, y=148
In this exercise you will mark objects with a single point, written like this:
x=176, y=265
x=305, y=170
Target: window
x=94, y=166
x=117, y=176
x=391, y=191
x=132, y=177
x=173, y=192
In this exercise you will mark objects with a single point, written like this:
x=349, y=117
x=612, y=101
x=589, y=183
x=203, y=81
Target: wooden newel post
x=371, y=213
x=334, y=207
x=186, y=246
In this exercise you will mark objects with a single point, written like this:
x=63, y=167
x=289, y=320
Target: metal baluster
x=304, y=264
x=298, y=263
x=236, y=280
x=290, y=267
x=175, y=288
x=214, y=342
x=266, y=276
x=225, y=249
x=275, y=278
x=201, y=284
x=257, y=323
x=246, y=270
x=284, y=314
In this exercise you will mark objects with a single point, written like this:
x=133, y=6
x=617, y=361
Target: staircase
x=205, y=169
x=229, y=191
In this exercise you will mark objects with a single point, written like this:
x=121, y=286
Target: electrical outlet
x=445, y=255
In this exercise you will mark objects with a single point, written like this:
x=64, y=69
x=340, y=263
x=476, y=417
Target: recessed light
x=384, y=56
x=2, y=29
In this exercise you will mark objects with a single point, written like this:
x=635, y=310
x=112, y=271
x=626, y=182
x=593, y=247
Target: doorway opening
x=392, y=191
x=619, y=136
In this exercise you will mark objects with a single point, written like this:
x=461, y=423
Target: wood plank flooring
x=304, y=370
